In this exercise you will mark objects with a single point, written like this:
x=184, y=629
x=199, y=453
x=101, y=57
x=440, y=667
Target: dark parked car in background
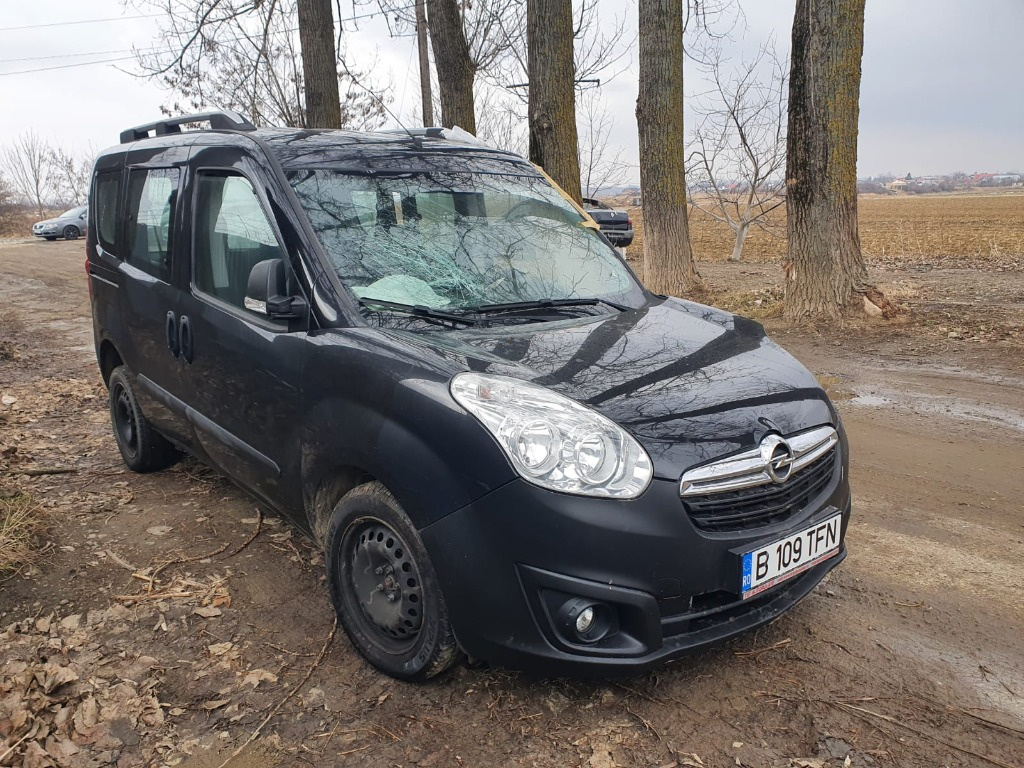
x=422, y=353
x=615, y=225
x=69, y=225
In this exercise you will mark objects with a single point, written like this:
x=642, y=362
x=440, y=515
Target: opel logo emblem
x=777, y=455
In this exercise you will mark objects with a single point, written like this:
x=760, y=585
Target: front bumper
x=45, y=232
x=509, y=560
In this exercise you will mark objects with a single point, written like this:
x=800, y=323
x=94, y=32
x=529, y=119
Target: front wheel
x=142, y=448
x=384, y=588
x=70, y=232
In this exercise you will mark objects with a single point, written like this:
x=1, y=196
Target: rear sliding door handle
x=185, y=338
x=171, y=327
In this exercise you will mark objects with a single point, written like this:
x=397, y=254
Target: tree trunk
x=668, y=255
x=455, y=68
x=741, y=237
x=824, y=266
x=552, y=78
x=421, y=42
x=319, y=64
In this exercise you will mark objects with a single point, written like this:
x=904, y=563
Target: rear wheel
x=70, y=232
x=142, y=448
x=384, y=588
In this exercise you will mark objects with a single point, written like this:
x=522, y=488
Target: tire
x=70, y=232
x=400, y=625
x=51, y=237
x=142, y=447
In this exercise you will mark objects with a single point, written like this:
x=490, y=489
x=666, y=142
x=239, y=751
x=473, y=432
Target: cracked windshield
x=461, y=242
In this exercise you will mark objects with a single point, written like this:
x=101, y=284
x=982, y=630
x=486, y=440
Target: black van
x=419, y=350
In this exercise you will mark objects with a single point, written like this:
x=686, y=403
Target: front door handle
x=171, y=328
x=185, y=338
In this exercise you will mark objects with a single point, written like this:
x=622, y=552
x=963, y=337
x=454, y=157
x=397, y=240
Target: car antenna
x=416, y=140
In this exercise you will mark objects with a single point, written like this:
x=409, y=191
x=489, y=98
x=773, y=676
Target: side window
x=232, y=234
x=152, y=194
x=104, y=203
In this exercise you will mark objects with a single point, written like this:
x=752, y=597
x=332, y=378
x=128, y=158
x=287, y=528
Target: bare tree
x=245, y=55
x=423, y=48
x=735, y=171
x=502, y=121
x=601, y=164
x=319, y=63
x=456, y=69
x=824, y=267
x=668, y=254
x=27, y=165
x=69, y=176
x=553, y=140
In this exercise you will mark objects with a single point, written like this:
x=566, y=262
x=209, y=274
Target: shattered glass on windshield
x=459, y=241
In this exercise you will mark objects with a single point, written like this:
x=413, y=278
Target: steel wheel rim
x=384, y=584
x=124, y=420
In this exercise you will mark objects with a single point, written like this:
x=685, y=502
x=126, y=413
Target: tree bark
x=455, y=68
x=668, y=255
x=426, y=97
x=552, y=78
x=741, y=237
x=319, y=64
x=824, y=267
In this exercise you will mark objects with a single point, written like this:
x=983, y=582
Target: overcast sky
x=941, y=89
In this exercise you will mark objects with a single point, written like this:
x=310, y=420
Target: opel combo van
x=419, y=350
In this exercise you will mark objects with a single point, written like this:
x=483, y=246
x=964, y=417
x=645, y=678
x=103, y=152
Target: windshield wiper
x=417, y=310
x=512, y=306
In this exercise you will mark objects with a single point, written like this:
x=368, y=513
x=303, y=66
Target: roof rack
x=224, y=120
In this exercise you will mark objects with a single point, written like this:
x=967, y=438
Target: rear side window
x=152, y=193
x=232, y=234
x=104, y=203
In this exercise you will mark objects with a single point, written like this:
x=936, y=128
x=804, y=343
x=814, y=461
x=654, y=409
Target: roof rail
x=219, y=120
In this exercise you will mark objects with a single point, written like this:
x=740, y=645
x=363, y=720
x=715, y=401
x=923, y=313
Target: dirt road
x=187, y=617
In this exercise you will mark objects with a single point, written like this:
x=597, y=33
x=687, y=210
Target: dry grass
x=16, y=222
x=22, y=521
x=961, y=230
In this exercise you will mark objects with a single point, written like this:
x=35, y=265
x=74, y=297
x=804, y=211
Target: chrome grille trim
x=748, y=469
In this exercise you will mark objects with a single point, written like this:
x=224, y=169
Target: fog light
x=585, y=620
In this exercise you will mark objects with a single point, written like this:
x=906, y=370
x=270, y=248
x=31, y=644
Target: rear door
x=148, y=297
x=242, y=369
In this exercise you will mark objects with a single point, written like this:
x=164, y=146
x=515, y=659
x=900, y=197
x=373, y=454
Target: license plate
x=774, y=563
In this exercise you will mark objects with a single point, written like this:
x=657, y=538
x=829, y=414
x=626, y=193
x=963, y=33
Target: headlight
x=554, y=441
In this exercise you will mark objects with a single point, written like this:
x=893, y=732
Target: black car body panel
x=296, y=411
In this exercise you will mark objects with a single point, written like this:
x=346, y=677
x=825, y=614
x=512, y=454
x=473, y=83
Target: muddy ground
x=169, y=621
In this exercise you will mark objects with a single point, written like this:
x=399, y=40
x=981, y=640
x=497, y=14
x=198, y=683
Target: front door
x=242, y=370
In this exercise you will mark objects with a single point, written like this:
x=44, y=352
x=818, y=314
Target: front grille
x=761, y=505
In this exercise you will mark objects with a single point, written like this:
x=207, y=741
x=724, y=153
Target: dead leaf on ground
x=257, y=676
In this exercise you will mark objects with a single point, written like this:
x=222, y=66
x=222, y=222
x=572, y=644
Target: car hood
x=47, y=221
x=691, y=382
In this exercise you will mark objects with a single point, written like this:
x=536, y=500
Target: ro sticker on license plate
x=783, y=559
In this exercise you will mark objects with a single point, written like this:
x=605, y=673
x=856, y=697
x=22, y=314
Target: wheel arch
x=332, y=485
x=109, y=359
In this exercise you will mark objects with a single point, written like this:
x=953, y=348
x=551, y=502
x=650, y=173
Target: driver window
x=232, y=234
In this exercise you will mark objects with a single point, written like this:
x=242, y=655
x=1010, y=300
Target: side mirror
x=266, y=293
